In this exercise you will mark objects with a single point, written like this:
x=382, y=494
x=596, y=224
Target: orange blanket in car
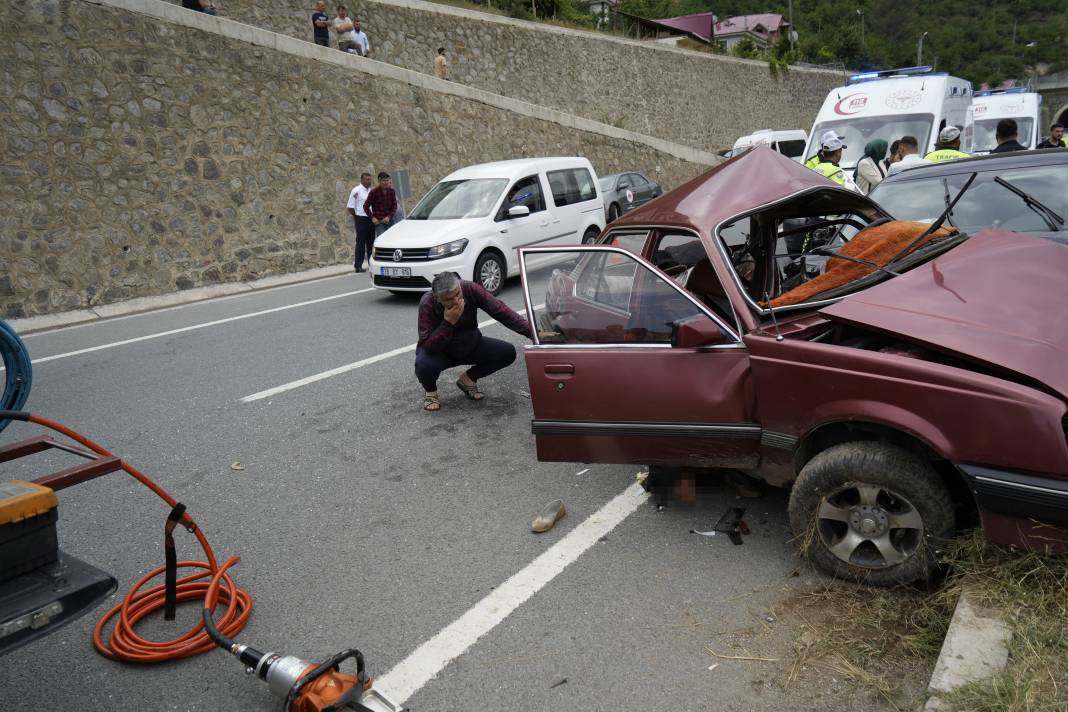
x=876, y=244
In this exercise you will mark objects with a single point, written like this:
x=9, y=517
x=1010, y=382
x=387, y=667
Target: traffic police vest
x=945, y=154
x=832, y=171
x=813, y=162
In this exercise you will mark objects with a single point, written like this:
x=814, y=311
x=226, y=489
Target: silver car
x=623, y=192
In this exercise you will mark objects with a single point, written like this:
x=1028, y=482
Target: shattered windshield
x=857, y=132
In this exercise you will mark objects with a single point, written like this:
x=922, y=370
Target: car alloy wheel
x=489, y=272
x=869, y=525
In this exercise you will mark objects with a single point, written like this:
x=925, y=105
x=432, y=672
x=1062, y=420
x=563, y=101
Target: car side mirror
x=695, y=331
x=518, y=211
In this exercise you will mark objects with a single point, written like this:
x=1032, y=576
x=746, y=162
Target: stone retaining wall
x=141, y=156
x=693, y=98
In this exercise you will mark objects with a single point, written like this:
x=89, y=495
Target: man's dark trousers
x=490, y=356
x=365, y=239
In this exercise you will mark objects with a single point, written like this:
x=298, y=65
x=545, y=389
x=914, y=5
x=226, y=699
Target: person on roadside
x=829, y=155
x=893, y=156
x=203, y=6
x=870, y=169
x=1006, y=135
x=948, y=146
x=909, y=150
x=342, y=27
x=449, y=336
x=365, y=229
x=441, y=65
x=381, y=204
x=321, y=24
x=1056, y=138
x=363, y=45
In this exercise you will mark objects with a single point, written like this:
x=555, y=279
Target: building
x=763, y=30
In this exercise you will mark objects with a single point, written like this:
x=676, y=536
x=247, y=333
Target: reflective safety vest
x=832, y=171
x=813, y=162
x=945, y=154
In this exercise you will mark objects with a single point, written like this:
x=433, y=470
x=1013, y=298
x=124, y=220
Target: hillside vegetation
x=984, y=41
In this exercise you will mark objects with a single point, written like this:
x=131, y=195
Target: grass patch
x=878, y=638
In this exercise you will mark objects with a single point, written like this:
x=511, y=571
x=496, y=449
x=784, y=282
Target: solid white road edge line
x=411, y=674
x=349, y=367
x=194, y=327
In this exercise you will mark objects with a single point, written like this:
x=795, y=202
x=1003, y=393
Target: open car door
x=628, y=367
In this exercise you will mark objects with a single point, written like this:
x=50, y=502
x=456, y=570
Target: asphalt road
x=363, y=521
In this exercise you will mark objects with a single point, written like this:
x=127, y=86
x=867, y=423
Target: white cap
x=949, y=133
x=830, y=141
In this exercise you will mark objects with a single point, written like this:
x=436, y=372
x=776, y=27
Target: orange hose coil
x=124, y=643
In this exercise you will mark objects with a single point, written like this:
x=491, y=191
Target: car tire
x=490, y=272
x=613, y=212
x=590, y=236
x=846, y=501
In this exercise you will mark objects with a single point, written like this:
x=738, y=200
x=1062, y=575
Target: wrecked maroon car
x=904, y=379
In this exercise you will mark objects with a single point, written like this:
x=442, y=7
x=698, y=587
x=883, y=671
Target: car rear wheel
x=613, y=212
x=590, y=236
x=489, y=272
x=871, y=512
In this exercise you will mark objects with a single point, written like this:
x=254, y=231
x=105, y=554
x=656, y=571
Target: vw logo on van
x=397, y=255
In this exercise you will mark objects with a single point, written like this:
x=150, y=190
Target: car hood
x=410, y=233
x=997, y=299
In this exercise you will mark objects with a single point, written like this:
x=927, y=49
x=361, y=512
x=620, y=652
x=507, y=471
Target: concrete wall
x=692, y=98
x=157, y=150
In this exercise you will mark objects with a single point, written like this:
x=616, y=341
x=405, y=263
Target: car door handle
x=559, y=369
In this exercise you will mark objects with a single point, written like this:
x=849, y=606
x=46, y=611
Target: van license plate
x=396, y=271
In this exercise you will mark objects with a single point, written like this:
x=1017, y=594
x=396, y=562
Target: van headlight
x=448, y=249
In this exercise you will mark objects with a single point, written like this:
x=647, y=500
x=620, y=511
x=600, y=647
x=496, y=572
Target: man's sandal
x=471, y=391
x=431, y=402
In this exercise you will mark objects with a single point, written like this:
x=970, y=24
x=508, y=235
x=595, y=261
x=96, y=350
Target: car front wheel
x=871, y=512
x=590, y=236
x=489, y=272
x=613, y=212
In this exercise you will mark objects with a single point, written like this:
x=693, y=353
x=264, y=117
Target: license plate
x=396, y=271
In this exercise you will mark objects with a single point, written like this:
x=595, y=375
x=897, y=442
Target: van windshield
x=984, y=133
x=856, y=133
x=458, y=199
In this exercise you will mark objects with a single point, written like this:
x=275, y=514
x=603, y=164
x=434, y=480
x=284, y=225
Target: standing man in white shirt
x=342, y=27
x=365, y=229
x=909, y=149
x=359, y=37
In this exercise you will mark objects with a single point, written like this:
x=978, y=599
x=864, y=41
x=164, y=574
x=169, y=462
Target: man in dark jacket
x=1006, y=137
x=449, y=336
x=381, y=203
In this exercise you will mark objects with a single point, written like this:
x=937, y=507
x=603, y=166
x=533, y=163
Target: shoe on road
x=552, y=513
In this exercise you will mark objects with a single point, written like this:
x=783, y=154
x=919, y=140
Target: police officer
x=948, y=148
x=829, y=155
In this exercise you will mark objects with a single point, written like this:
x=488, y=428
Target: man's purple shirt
x=458, y=340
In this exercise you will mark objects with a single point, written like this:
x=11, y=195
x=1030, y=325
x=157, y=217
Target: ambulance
x=990, y=107
x=889, y=104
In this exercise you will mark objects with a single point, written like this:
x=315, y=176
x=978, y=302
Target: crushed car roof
x=757, y=177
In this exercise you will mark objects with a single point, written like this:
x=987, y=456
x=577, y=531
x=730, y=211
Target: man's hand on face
x=454, y=306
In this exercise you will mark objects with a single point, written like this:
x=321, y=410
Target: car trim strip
x=1016, y=494
x=1020, y=485
x=743, y=431
x=779, y=441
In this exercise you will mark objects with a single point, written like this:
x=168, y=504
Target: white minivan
x=474, y=221
x=788, y=142
x=914, y=101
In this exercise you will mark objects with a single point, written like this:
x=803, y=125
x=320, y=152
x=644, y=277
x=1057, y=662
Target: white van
x=914, y=101
x=474, y=221
x=990, y=107
x=788, y=142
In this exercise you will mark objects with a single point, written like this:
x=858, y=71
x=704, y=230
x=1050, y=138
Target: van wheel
x=613, y=212
x=871, y=512
x=591, y=236
x=489, y=272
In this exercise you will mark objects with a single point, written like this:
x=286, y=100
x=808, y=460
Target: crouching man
x=449, y=336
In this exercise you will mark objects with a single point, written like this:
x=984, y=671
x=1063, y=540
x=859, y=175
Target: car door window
x=525, y=191
x=624, y=182
x=637, y=180
x=571, y=185
x=608, y=296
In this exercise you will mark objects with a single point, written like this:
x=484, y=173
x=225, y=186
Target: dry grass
x=870, y=636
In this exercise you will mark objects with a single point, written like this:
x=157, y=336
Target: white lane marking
x=411, y=674
x=349, y=367
x=194, y=327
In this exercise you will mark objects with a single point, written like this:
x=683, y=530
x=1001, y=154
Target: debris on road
x=237, y=466
x=559, y=682
x=731, y=524
x=740, y=657
x=552, y=513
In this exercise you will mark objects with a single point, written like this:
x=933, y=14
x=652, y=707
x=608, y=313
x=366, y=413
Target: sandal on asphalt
x=550, y=515
x=431, y=402
x=471, y=391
